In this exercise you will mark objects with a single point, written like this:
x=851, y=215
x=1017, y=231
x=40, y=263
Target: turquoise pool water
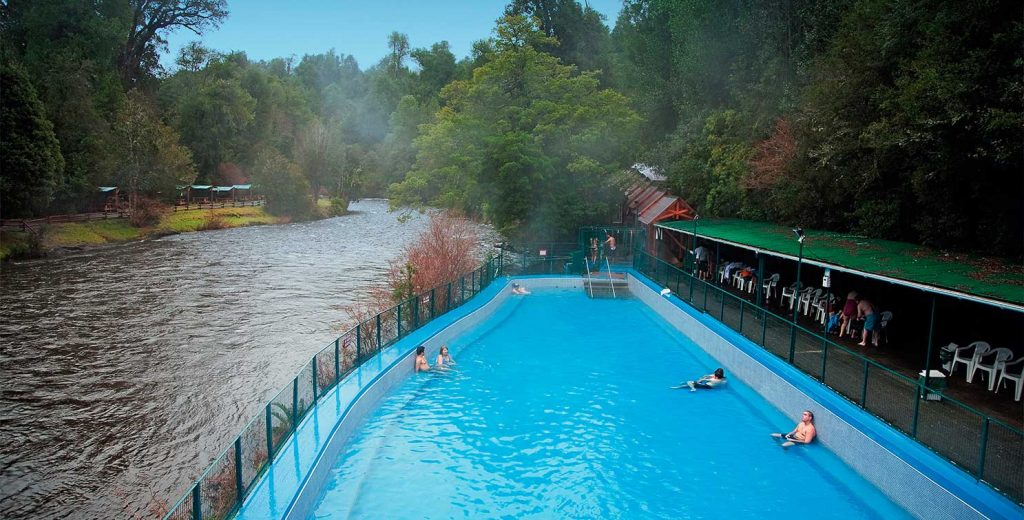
x=560, y=408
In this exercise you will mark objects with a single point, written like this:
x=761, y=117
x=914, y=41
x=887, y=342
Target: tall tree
x=151, y=20
x=30, y=161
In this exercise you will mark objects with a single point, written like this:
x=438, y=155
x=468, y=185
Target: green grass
x=98, y=232
x=93, y=233
x=196, y=220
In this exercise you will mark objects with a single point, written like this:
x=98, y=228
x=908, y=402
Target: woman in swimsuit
x=444, y=359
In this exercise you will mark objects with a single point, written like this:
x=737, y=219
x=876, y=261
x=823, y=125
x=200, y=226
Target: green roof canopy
x=989, y=281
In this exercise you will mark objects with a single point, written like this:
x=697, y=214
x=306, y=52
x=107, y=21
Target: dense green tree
x=282, y=183
x=30, y=163
x=527, y=142
x=580, y=36
x=152, y=160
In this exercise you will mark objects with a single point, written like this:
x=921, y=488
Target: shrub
x=148, y=212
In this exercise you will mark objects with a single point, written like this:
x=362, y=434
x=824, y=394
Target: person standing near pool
x=707, y=382
x=421, y=364
x=803, y=433
x=610, y=242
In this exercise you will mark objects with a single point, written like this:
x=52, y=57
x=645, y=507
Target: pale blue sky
x=267, y=29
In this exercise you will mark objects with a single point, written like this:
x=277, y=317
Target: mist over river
x=125, y=370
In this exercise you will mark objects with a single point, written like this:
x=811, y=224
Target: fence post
x=472, y=284
x=792, y=341
x=864, y=389
x=398, y=319
x=197, y=502
x=270, y=434
x=238, y=470
x=984, y=446
x=359, y=342
x=337, y=360
x=743, y=305
x=824, y=359
x=316, y=384
x=764, y=330
x=379, y=345
x=919, y=393
x=415, y=312
x=462, y=289
x=431, y=303
x=295, y=404
x=448, y=301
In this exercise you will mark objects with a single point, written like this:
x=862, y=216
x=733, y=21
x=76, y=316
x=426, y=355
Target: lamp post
x=799, y=232
x=693, y=252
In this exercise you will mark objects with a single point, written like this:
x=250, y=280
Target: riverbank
x=77, y=235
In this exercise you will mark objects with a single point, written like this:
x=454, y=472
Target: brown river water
x=125, y=370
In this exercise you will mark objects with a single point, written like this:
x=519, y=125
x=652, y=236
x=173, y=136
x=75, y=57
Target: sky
x=266, y=30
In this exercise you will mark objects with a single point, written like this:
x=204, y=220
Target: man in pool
x=421, y=364
x=705, y=382
x=803, y=433
x=519, y=289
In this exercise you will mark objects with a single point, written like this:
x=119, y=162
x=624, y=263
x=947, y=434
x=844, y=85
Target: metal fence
x=220, y=490
x=985, y=447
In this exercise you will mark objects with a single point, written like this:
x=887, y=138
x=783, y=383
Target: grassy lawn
x=100, y=232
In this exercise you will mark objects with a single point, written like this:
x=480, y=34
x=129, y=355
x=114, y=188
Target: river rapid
x=125, y=370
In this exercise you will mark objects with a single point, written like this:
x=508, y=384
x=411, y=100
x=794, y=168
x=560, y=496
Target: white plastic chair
x=806, y=297
x=883, y=327
x=821, y=307
x=769, y=286
x=989, y=362
x=967, y=355
x=790, y=293
x=1012, y=372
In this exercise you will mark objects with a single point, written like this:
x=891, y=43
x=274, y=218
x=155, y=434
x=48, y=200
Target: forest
x=894, y=119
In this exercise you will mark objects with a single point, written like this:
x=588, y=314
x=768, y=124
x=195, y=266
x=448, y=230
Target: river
x=125, y=370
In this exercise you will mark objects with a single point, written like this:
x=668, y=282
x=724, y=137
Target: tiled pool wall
x=926, y=485
x=432, y=336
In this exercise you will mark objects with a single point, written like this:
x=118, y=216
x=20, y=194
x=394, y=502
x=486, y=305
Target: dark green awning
x=990, y=281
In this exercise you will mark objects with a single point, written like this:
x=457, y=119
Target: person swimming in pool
x=421, y=364
x=444, y=359
x=707, y=382
x=519, y=289
x=803, y=433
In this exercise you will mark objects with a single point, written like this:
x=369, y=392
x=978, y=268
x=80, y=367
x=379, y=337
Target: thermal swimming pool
x=560, y=407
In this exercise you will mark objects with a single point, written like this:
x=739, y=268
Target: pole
x=931, y=332
x=796, y=302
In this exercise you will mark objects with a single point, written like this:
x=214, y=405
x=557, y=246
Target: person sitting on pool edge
x=803, y=433
x=421, y=364
x=519, y=289
x=706, y=382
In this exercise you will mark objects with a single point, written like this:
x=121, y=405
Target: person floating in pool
x=519, y=289
x=421, y=359
x=705, y=382
x=444, y=359
x=803, y=433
